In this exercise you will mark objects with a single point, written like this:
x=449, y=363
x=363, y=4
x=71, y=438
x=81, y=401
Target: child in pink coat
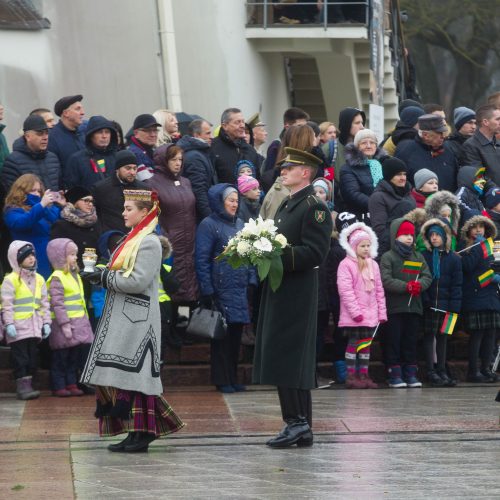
x=71, y=326
x=25, y=314
x=362, y=299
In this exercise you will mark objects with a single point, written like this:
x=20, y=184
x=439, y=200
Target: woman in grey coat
x=124, y=361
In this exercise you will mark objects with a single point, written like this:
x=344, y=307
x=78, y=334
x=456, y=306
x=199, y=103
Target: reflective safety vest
x=162, y=294
x=74, y=301
x=25, y=303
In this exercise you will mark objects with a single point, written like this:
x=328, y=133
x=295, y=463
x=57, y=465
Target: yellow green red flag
x=449, y=322
x=412, y=266
x=486, y=278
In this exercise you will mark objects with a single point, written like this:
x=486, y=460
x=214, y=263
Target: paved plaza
x=405, y=443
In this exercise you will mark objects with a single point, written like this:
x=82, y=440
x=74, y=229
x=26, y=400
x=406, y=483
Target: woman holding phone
x=29, y=213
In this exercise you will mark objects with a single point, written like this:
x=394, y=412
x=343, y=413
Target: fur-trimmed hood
x=355, y=158
x=490, y=231
x=166, y=247
x=436, y=222
x=346, y=233
x=434, y=203
x=417, y=217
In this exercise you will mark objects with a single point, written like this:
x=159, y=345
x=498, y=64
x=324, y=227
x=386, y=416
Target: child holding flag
x=442, y=300
x=480, y=304
x=362, y=300
x=405, y=275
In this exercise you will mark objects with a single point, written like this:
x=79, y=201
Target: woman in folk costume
x=124, y=361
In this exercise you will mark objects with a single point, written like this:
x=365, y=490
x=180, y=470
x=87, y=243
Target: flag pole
x=411, y=296
x=467, y=248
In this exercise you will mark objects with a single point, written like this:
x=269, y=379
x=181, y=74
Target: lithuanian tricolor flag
x=487, y=247
x=480, y=172
x=449, y=322
x=101, y=165
x=486, y=278
x=412, y=267
x=363, y=343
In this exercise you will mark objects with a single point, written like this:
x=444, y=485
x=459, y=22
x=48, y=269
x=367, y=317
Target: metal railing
x=270, y=13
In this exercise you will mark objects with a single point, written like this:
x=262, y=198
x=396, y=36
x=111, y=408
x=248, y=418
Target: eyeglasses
x=87, y=200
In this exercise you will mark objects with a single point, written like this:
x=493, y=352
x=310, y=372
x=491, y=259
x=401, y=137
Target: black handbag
x=207, y=323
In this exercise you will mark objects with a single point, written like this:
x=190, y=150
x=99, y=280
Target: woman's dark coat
x=218, y=278
x=356, y=183
x=285, y=349
x=386, y=205
x=178, y=222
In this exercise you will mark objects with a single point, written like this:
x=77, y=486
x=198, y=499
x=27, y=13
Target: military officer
x=285, y=349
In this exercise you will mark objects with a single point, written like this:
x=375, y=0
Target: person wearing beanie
x=428, y=149
x=362, y=300
x=67, y=137
x=71, y=327
x=480, y=311
x=361, y=173
x=426, y=184
x=108, y=193
x=78, y=222
x=221, y=286
x=405, y=275
x=492, y=205
x=444, y=295
x=97, y=160
x=471, y=187
x=324, y=191
x=390, y=200
x=406, y=128
x=249, y=190
x=464, y=120
x=24, y=329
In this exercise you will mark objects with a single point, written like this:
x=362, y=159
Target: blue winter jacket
x=33, y=226
x=218, y=278
x=64, y=142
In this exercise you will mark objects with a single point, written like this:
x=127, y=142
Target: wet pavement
x=405, y=443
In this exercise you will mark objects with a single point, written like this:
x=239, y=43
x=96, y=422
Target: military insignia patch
x=319, y=215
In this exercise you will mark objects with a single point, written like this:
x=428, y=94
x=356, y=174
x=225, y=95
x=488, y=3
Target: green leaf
x=263, y=268
x=275, y=272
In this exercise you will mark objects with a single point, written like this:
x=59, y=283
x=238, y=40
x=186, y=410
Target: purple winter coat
x=178, y=222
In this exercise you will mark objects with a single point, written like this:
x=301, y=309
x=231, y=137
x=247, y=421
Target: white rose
x=263, y=244
x=281, y=240
x=243, y=248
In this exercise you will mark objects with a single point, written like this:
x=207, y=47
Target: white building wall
x=109, y=52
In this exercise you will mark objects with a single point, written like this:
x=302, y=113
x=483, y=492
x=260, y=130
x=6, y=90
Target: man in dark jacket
x=30, y=156
x=197, y=165
x=108, y=193
x=68, y=136
x=482, y=149
x=97, y=160
x=142, y=144
x=428, y=150
x=464, y=120
x=285, y=349
x=230, y=146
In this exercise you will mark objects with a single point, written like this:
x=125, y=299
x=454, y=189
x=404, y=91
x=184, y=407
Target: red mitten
x=414, y=288
x=358, y=318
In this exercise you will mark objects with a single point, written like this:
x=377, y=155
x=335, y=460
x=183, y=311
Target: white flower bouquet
x=257, y=244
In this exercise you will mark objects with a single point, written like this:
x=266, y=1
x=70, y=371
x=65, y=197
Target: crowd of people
x=414, y=218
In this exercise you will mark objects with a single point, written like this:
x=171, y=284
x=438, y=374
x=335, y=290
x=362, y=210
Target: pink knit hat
x=246, y=183
x=357, y=237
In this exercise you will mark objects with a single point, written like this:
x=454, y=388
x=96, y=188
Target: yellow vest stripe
x=25, y=302
x=74, y=301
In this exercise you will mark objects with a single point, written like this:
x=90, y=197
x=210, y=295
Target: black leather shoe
x=305, y=442
x=490, y=376
x=117, y=447
x=498, y=397
x=291, y=434
x=140, y=442
x=448, y=381
x=477, y=378
x=435, y=380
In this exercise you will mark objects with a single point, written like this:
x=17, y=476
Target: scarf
x=123, y=258
x=400, y=191
x=78, y=217
x=402, y=250
x=424, y=194
x=367, y=275
x=436, y=263
x=375, y=171
x=437, y=152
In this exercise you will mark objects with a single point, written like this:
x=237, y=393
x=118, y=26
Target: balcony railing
x=327, y=13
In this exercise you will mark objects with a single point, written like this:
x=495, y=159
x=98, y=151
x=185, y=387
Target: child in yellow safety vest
x=70, y=321
x=167, y=285
x=25, y=314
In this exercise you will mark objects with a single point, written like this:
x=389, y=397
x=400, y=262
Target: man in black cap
x=142, y=144
x=429, y=150
x=464, y=120
x=31, y=156
x=285, y=349
x=108, y=193
x=68, y=135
